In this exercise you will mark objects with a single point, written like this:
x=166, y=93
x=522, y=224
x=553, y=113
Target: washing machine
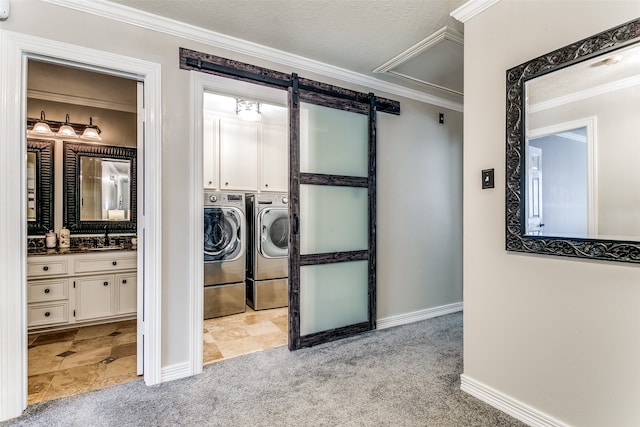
x=267, y=250
x=224, y=253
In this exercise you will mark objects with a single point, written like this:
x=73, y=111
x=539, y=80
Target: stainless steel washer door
x=274, y=232
x=222, y=233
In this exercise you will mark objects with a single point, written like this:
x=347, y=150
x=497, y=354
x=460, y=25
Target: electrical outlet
x=441, y=118
x=487, y=179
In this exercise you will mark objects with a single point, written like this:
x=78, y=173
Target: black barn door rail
x=211, y=64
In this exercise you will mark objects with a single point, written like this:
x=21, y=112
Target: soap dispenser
x=65, y=237
x=51, y=240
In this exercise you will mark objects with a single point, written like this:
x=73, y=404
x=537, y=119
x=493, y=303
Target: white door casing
x=535, y=222
x=16, y=49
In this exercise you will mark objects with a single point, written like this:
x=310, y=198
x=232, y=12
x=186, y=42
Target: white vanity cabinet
x=81, y=288
x=244, y=156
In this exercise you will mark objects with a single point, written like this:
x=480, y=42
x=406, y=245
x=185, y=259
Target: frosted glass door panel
x=333, y=296
x=333, y=219
x=333, y=142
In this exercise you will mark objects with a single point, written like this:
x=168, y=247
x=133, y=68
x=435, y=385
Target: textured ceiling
x=357, y=35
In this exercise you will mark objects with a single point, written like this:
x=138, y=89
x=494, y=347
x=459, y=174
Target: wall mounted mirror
x=573, y=120
x=99, y=188
x=39, y=186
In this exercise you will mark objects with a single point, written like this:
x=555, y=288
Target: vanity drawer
x=112, y=262
x=46, y=314
x=47, y=290
x=46, y=266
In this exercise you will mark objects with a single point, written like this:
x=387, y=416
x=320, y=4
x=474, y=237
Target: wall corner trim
x=471, y=9
x=508, y=404
x=416, y=316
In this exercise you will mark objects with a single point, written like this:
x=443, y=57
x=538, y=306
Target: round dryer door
x=222, y=239
x=274, y=232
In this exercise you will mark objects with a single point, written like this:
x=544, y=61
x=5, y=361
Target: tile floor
x=230, y=336
x=73, y=361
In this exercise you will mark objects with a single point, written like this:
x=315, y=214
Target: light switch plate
x=487, y=179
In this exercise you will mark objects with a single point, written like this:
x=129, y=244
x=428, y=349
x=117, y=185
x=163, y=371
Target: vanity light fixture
x=248, y=110
x=41, y=128
x=66, y=129
x=91, y=132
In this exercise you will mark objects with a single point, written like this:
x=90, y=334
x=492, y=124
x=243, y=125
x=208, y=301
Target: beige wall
x=557, y=334
x=419, y=198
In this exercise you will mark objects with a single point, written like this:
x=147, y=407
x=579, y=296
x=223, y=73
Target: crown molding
x=168, y=26
x=444, y=33
x=471, y=9
x=77, y=100
x=585, y=94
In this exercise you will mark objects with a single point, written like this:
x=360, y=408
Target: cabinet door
x=95, y=297
x=210, y=152
x=275, y=159
x=127, y=292
x=238, y=155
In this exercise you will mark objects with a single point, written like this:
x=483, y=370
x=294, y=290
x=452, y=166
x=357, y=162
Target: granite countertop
x=81, y=250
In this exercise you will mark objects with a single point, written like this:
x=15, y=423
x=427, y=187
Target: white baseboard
x=415, y=316
x=175, y=372
x=507, y=404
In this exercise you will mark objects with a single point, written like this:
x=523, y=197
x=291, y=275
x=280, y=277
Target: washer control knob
x=213, y=198
x=285, y=200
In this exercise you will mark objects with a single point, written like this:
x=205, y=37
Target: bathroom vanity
x=78, y=286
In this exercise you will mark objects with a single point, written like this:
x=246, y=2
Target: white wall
x=556, y=334
x=419, y=181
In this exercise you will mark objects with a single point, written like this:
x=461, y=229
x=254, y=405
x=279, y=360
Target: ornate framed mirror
x=40, y=186
x=99, y=188
x=573, y=149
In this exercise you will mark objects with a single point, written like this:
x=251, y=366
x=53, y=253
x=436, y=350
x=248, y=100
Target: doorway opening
x=18, y=49
x=245, y=227
x=561, y=180
x=82, y=316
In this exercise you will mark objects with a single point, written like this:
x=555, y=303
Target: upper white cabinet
x=238, y=155
x=274, y=164
x=210, y=151
x=245, y=156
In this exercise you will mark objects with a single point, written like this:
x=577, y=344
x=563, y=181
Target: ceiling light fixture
x=248, y=110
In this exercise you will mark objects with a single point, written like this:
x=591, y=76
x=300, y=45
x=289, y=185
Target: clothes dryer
x=268, y=250
x=224, y=253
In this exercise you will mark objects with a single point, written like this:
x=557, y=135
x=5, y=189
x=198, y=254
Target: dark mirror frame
x=71, y=181
x=43, y=150
x=516, y=240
